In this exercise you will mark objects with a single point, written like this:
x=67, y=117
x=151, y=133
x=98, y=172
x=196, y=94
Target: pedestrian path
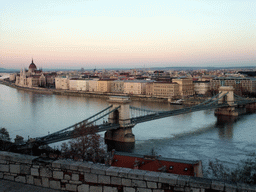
x=11, y=186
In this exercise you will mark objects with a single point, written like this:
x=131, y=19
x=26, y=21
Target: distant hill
x=198, y=68
x=183, y=68
x=3, y=70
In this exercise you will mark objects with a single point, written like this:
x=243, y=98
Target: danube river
x=193, y=136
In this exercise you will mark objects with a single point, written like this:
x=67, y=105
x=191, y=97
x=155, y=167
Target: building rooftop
x=32, y=65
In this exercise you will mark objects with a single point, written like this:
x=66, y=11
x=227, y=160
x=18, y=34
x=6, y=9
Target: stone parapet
x=69, y=175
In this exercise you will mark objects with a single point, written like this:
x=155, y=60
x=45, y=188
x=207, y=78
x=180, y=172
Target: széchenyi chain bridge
x=122, y=118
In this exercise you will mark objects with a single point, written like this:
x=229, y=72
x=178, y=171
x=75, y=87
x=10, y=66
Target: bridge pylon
x=122, y=139
x=228, y=91
x=227, y=95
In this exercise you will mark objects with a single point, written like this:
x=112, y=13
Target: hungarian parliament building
x=34, y=77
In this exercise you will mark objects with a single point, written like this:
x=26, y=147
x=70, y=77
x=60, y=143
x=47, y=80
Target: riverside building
x=162, y=89
x=201, y=87
x=241, y=85
x=34, y=77
x=135, y=87
x=186, y=86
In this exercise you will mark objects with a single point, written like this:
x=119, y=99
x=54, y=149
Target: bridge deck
x=149, y=115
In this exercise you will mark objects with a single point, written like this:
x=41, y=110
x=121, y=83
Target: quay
x=83, y=93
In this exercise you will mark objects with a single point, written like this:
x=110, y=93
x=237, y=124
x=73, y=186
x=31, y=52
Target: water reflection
x=225, y=126
x=31, y=104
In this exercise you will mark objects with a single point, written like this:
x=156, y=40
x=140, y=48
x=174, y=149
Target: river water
x=194, y=136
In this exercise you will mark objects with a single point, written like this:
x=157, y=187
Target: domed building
x=32, y=67
x=34, y=77
x=30, y=77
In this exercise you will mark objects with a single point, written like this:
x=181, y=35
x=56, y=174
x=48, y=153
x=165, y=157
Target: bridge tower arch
x=122, y=115
x=227, y=96
x=228, y=91
x=121, y=139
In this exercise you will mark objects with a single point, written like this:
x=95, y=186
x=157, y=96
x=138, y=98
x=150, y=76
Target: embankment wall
x=71, y=175
x=83, y=93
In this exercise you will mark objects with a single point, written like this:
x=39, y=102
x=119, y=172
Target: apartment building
x=117, y=86
x=201, y=87
x=78, y=84
x=186, y=86
x=162, y=89
x=136, y=87
x=104, y=86
x=149, y=89
x=93, y=85
x=50, y=79
x=62, y=82
x=246, y=84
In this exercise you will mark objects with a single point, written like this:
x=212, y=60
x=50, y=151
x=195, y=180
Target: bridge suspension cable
x=209, y=104
x=242, y=100
x=211, y=99
x=136, y=111
x=85, y=123
x=215, y=101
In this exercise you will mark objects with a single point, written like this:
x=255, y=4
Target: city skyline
x=110, y=34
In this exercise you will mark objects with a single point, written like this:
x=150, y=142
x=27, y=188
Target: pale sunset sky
x=127, y=34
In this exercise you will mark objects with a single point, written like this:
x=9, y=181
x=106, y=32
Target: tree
x=86, y=145
x=5, y=140
x=244, y=172
x=217, y=170
x=4, y=135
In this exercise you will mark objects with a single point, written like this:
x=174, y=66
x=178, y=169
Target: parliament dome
x=32, y=66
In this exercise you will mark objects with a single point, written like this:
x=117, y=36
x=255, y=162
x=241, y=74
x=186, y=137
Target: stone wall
x=85, y=176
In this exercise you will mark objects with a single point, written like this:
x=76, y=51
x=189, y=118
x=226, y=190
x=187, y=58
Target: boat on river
x=177, y=102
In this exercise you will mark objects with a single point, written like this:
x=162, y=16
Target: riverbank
x=83, y=93
x=189, y=101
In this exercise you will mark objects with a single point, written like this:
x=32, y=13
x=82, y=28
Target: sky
x=127, y=34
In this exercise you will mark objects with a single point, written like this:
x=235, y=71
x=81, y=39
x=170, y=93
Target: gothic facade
x=34, y=77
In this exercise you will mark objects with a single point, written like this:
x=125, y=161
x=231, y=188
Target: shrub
x=244, y=172
x=87, y=145
x=4, y=135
